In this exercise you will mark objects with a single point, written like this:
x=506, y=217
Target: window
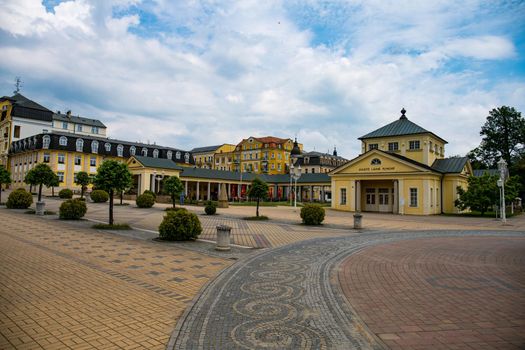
x=413, y=197
x=436, y=148
x=94, y=129
x=145, y=152
x=60, y=175
x=279, y=167
x=372, y=146
x=17, y=131
x=78, y=160
x=107, y=146
x=75, y=177
x=62, y=141
x=79, y=127
x=132, y=150
x=94, y=146
x=313, y=170
x=64, y=125
x=306, y=170
x=186, y=157
x=375, y=161
x=80, y=145
x=343, y=196
x=93, y=161
x=169, y=155
x=431, y=197
x=120, y=151
x=370, y=196
x=46, y=157
x=414, y=145
x=430, y=146
x=393, y=146
x=177, y=155
x=61, y=158
x=46, y=140
x=155, y=153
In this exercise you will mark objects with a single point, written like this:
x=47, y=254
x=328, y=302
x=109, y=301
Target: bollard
x=223, y=238
x=358, y=221
x=40, y=208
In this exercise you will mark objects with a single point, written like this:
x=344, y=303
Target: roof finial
x=335, y=152
x=403, y=116
x=18, y=85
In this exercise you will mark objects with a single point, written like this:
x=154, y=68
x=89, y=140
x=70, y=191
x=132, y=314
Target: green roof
x=450, y=165
x=161, y=163
x=400, y=127
x=481, y=172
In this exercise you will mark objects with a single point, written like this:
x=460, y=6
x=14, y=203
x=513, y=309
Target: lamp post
x=154, y=180
x=502, y=166
x=296, y=174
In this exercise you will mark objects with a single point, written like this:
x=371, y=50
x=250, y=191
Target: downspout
x=441, y=193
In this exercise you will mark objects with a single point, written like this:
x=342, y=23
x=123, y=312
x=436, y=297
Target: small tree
x=482, y=193
x=173, y=187
x=54, y=183
x=5, y=179
x=40, y=175
x=83, y=180
x=112, y=176
x=258, y=190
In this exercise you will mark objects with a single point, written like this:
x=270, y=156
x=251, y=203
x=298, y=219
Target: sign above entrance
x=377, y=168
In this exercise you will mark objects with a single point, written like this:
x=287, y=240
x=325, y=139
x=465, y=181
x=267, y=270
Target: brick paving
x=63, y=287
x=441, y=293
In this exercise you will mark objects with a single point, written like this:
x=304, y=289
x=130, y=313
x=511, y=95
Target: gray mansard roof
x=78, y=120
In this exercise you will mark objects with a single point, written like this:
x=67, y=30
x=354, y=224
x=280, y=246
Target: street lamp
x=502, y=166
x=295, y=173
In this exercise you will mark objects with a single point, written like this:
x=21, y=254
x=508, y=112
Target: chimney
x=68, y=113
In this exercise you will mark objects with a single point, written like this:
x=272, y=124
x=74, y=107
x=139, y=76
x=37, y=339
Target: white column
x=401, y=191
x=358, y=195
x=425, y=198
x=198, y=190
x=209, y=191
x=395, y=200
x=229, y=191
x=311, y=194
x=186, y=188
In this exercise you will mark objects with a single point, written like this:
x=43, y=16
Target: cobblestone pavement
x=464, y=292
x=64, y=287
x=293, y=297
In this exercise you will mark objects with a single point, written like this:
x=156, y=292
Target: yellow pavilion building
x=402, y=169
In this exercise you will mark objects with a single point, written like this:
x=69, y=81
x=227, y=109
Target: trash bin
x=358, y=221
x=223, y=238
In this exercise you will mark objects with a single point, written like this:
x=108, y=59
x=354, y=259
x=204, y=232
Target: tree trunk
x=40, y=192
x=257, y=211
x=81, y=192
x=52, y=191
x=173, y=200
x=121, y=197
x=111, y=207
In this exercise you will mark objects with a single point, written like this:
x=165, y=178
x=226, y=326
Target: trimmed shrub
x=150, y=192
x=175, y=209
x=180, y=225
x=145, y=200
x=66, y=193
x=19, y=199
x=312, y=214
x=99, y=196
x=210, y=208
x=72, y=209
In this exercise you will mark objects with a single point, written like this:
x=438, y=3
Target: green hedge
x=72, y=209
x=99, y=196
x=145, y=200
x=210, y=208
x=66, y=193
x=19, y=199
x=312, y=214
x=180, y=225
x=150, y=192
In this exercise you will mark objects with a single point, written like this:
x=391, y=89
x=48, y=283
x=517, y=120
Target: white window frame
x=414, y=201
x=64, y=125
x=144, y=152
x=79, y=158
x=60, y=176
x=47, y=157
x=169, y=155
x=46, y=140
x=93, y=161
x=412, y=145
x=94, y=146
x=132, y=150
x=61, y=156
x=120, y=151
x=155, y=153
x=107, y=147
x=80, y=145
x=62, y=141
x=342, y=196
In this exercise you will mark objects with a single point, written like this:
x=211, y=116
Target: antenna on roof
x=18, y=85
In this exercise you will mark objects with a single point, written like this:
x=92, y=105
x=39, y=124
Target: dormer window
x=413, y=145
x=186, y=157
x=155, y=153
x=62, y=141
x=145, y=152
x=107, y=146
x=169, y=155
x=393, y=146
x=132, y=150
x=94, y=146
x=177, y=155
x=372, y=146
x=120, y=151
x=80, y=145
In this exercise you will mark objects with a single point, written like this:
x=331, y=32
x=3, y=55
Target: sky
x=197, y=73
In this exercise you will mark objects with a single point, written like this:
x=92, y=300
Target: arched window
x=145, y=152
x=186, y=157
x=132, y=150
x=62, y=141
x=375, y=161
x=80, y=145
x=94, y=146
x=177, y=155
x=120, y=151
x=155, y=153
x=46, y=140
x=107, y=146
x=169, y=155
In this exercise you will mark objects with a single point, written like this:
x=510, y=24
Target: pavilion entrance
x=378, y=196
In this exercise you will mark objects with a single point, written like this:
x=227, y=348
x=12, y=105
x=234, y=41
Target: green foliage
x=145, y=200
x=5, y=179
x=151, y=193
x=19, y=199
x=180, y=226
x=513, y=187
x=72, y=209
x=312, y=214
x=258, y=190
x=99, y=196
x=173, y=187
x=210, y=208
x=83, y=180
x=175, y=209
x=482, y=193
x=40, y=175
x=65, y=193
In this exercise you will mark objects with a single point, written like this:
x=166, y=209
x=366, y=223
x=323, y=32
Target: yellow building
x=263, y=155
x=402, y=170
x=218, y=157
